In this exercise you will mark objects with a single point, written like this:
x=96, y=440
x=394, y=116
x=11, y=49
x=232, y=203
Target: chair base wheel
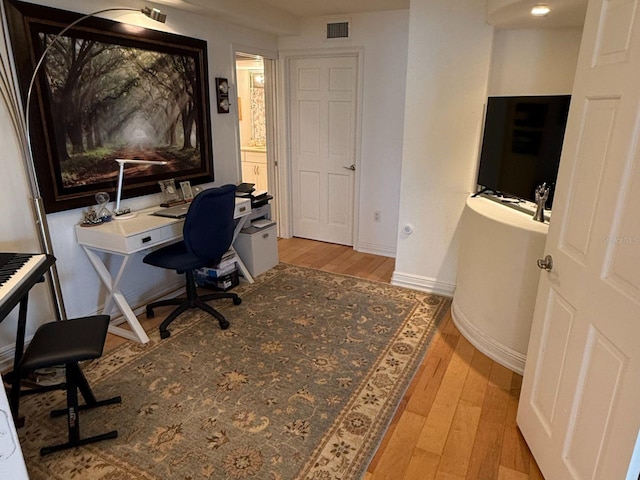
x=150, y=313
x=165, y=334
x=237, y=301
x=224, y=324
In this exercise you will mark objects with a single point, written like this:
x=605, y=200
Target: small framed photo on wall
x=187, y=192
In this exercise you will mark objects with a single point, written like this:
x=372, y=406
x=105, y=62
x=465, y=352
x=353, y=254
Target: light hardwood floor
x=457, y=419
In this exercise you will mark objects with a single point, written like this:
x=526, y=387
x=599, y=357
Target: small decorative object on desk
x=90, y=218
x=103, y=212
x=94, y=217
x=542, y=194
x=169, y=193
x=187, y=192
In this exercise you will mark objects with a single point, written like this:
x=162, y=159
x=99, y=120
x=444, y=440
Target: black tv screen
x=522, y=143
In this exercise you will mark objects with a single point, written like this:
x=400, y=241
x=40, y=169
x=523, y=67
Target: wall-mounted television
x=522, y=143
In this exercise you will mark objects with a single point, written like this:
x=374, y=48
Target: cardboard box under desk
x=217, y=271
x=222, y=281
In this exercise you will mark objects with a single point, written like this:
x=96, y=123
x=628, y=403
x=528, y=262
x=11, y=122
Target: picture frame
x=169, y=191
x=187, y=192
x=152, y=103
x=257, y=79
x=222, y=95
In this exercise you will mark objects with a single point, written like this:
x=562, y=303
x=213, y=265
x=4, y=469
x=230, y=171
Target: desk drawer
x=116, y=242
x=172, y=232
x=143, y=240
x=243, y=207
x=154, y=237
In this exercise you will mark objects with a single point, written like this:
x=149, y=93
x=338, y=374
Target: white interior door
x=580, y=402
x=323, y=105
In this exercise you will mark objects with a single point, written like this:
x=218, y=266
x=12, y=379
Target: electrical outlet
x=376, y=216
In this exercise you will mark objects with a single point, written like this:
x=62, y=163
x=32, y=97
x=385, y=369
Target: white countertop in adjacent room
x=254, y=149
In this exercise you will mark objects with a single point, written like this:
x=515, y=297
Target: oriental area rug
x=301, y=386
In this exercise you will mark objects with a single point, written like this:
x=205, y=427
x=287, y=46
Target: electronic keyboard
x=18, y=273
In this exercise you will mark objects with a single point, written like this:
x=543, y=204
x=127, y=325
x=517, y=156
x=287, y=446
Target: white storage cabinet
x=258, y=249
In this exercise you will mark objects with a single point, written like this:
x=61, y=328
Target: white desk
x=127, y=237
x=11, y=460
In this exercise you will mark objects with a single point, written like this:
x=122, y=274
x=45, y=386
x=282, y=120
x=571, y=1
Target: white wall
x=82, y=291
x=449, y=60
x=383, y=35
x=534, y=61
x=455, y=63
x=448, y=50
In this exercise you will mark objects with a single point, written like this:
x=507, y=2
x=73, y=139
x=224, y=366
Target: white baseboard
x=424, y=284
x=374, y=249
x=493, y=349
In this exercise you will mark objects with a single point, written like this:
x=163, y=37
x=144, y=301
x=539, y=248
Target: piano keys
x=18, y=273
x=13, y=267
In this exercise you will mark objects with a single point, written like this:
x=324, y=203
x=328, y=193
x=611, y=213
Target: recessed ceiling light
x=540, y=10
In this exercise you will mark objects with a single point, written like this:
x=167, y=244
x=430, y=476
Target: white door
x=579, y=409
x=323, y=94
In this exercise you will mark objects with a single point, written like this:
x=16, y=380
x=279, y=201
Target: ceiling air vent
x=338, y=30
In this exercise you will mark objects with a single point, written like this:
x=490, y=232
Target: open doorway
x=255, y=80
x=252, y=121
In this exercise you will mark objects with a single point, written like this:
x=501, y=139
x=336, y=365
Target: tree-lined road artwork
x=111, y=101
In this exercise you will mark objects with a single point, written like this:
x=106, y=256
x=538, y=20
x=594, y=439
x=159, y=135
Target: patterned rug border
x=332, y=458
x=356, y=468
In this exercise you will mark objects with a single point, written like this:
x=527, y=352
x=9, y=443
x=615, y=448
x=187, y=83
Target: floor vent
x=338, y=30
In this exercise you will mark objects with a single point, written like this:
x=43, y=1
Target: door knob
x=351, y=167
x=546, y=263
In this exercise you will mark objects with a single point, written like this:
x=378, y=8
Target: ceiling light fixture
x=540, y=10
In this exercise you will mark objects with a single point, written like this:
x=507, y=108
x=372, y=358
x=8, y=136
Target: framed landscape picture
x=109, y=90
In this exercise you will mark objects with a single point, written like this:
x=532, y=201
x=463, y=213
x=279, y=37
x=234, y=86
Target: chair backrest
x=208, y=227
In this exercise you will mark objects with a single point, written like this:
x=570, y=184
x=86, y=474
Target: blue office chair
x=207, y=235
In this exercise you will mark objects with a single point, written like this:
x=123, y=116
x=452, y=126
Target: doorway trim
x=284, y=138
x=272, y=118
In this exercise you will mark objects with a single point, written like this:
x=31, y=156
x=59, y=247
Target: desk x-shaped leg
x=137, y=333
x=241, y=266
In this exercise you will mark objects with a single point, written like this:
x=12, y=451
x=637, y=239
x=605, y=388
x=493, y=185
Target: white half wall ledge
x=505, y=356
x=424, y=284
x=498, y=279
